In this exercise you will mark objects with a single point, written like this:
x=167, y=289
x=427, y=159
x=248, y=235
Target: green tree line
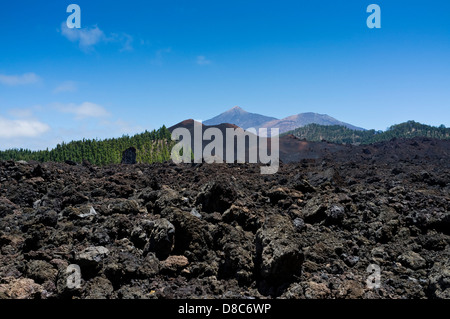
x=154, y=146
x=344, y=135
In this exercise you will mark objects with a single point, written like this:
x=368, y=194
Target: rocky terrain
x=225, y=231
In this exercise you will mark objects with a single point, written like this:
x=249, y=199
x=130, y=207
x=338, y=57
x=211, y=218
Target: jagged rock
x=299, y=224
x=150, y=266
x=91, y=213
x=92, y=254
x=439, y=280
x=243, y=216
x=48, y=218
x=303, y=185
x=36, y=236
x=314, y=290
x=99, y=288
x=91, y=259
x=278, y=249
x=161, y=238
x=192, y=236
x=41, y=271
x=127, y=264
x=76, y=213
x=412, y=260
x=314, y=211
x=6, y=207
x=38, y=171
x=23, y=288
x=120, y=206
x=217, y=196
x=167, y=197
x=238, y=252
x=350, y=289
x=174, y=264
x=195, y=213
x=277, y=193
x=327, y=176
x=335, y=213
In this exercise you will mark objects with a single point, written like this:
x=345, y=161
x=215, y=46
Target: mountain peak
x=239, y=117
x=236, y=109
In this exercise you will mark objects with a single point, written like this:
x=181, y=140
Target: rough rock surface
x=225, y=231
x=278, y=248
x=129, y=156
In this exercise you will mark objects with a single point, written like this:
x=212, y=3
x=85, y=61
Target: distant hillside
x=295, y=121
x=239, y=117
x=244, y=119
x=344, y=135
x=151, y=147
x=291, y=149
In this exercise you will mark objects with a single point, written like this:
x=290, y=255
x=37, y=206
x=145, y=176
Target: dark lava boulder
x=91, y=259
x=237, y=252
x=439, y=280
x=41, y=271
x=167, y=197
x=278, y=249
x=126, y=264
x=157, y=236
x=129, y=156
x=6, y=207
x=217, y=196
x=193, y=237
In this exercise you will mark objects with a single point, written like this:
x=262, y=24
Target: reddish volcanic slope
x=292, y=149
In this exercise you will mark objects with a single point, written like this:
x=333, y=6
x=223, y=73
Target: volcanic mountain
x=295, y=121
x=241, y=118
x=244, y=119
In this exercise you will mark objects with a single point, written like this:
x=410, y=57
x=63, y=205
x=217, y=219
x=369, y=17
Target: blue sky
x=137, y=65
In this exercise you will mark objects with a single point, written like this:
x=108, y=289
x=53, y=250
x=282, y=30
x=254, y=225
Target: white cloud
x=21, y=128
x=13, y=80
x=84, y=110
x=144, y=42
x=86, y=37
x=125, y=41
x=67, y=86
x=21, y=113
x=201, y=60
x=159, y=56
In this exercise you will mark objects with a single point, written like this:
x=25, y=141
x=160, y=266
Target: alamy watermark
x=373, y=21
x=374, y=279
x=74, y=20
x=74, y=277
x=236, y=147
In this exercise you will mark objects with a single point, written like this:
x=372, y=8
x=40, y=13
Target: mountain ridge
x=343, y=135
x=244, y=119
x=239, y=117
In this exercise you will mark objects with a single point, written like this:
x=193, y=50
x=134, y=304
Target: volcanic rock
x=278, y=249
x=129, y=156
x=309, y=231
